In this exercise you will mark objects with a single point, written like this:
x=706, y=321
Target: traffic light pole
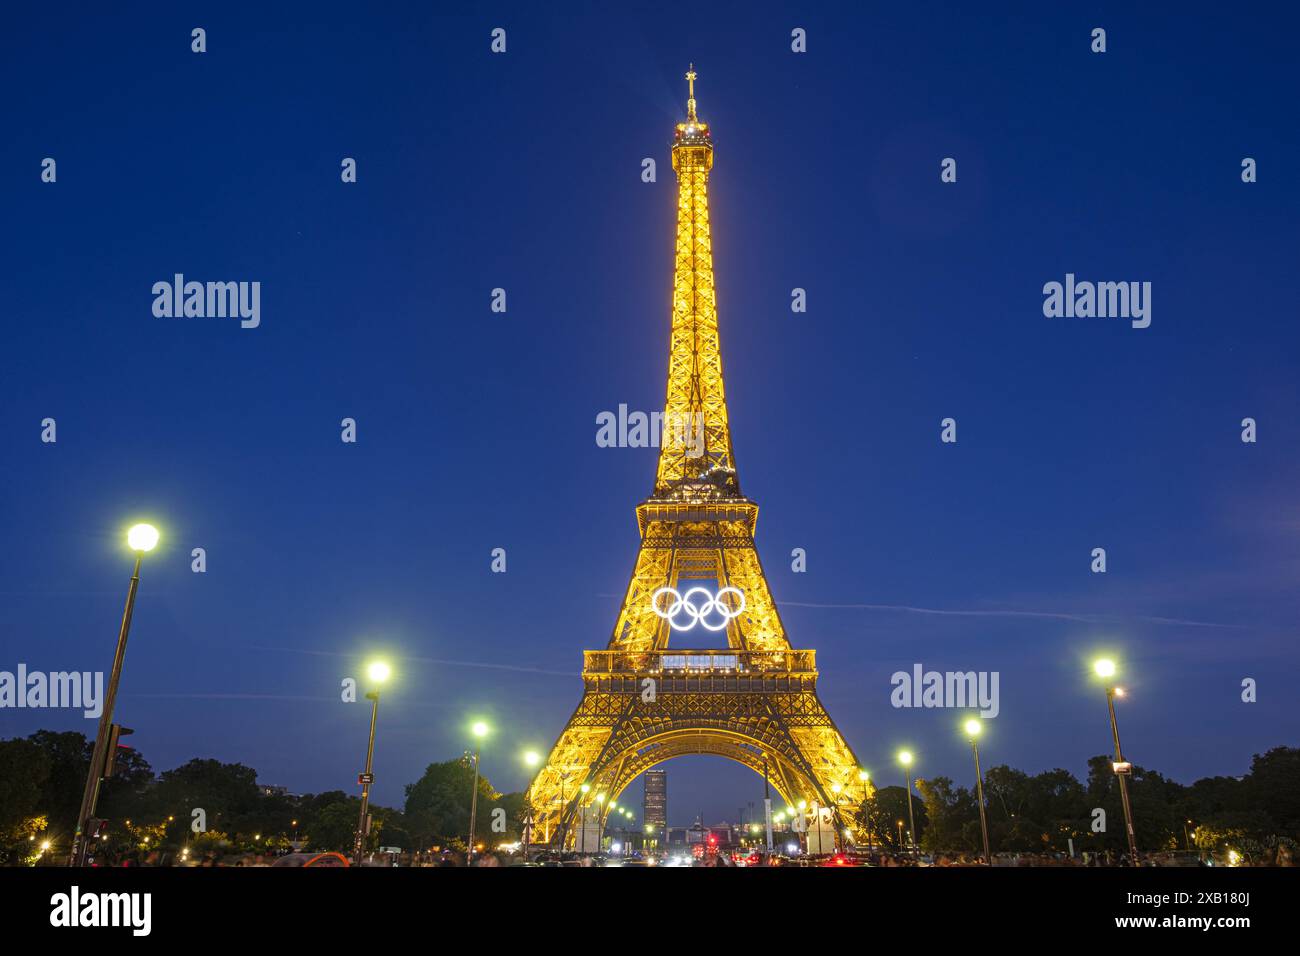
x=90, y=796
x=359, y=847
x=1123, y=783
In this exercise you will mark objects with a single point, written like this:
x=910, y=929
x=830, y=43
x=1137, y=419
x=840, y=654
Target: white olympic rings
x=696, y=613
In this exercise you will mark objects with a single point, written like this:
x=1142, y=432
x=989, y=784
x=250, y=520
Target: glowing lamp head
x=973, y=727
x=142, y=537
x=863, y=776
x=479, y=729
x=379, y=671
x=905, y=757
x=585, y=788
x=1104, y=667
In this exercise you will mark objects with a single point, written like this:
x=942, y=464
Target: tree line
x=42, y=776
x=1256, y=815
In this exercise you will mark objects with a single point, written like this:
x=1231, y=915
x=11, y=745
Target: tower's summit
x=695, y=460
x=692, y=142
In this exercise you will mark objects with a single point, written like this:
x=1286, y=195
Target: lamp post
x=141, y=538
x=767, y=806
x=479, y=730
x=1106, y=668
x=905, y=758
x=378, y=672
x=865, y=777
x=973, y=730
x=582, y=822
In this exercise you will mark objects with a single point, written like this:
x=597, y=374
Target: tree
x=69, y=757
x=881, y=812
x=438, y=804
x=24, y=768
x=1274, y=787
x=947, y=812
x=226, y=793
x=335, y=826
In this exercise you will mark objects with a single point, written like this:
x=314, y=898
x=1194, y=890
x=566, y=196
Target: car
x=312, y=859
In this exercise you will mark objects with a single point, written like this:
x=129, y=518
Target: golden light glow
x=973, y=728
x=378, y=672
x=142, y=537
x=532, y=758
x=479, y=729
x=1104, y=667
x=905, y=757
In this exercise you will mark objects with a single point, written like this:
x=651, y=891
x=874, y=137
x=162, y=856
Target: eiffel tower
x=753, y=700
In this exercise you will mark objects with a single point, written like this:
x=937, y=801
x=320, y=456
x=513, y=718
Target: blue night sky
x=477, y=430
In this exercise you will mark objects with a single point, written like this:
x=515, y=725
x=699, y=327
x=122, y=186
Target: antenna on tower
x=690, y=102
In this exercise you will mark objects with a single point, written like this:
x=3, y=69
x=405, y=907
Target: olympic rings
x=697, y=612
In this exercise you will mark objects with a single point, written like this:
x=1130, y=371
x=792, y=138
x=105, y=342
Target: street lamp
x=531, y=759
x=582, y=822
x=973, y=729
x=140, y=538
x=378, y=672
x=1105, y=668
x=480, y=730
x=905, y=758
x=865, y=779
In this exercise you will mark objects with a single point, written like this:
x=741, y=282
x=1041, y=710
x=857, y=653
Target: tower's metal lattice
x=754, y=701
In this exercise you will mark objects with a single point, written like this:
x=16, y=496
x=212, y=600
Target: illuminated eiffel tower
x=752, y=700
